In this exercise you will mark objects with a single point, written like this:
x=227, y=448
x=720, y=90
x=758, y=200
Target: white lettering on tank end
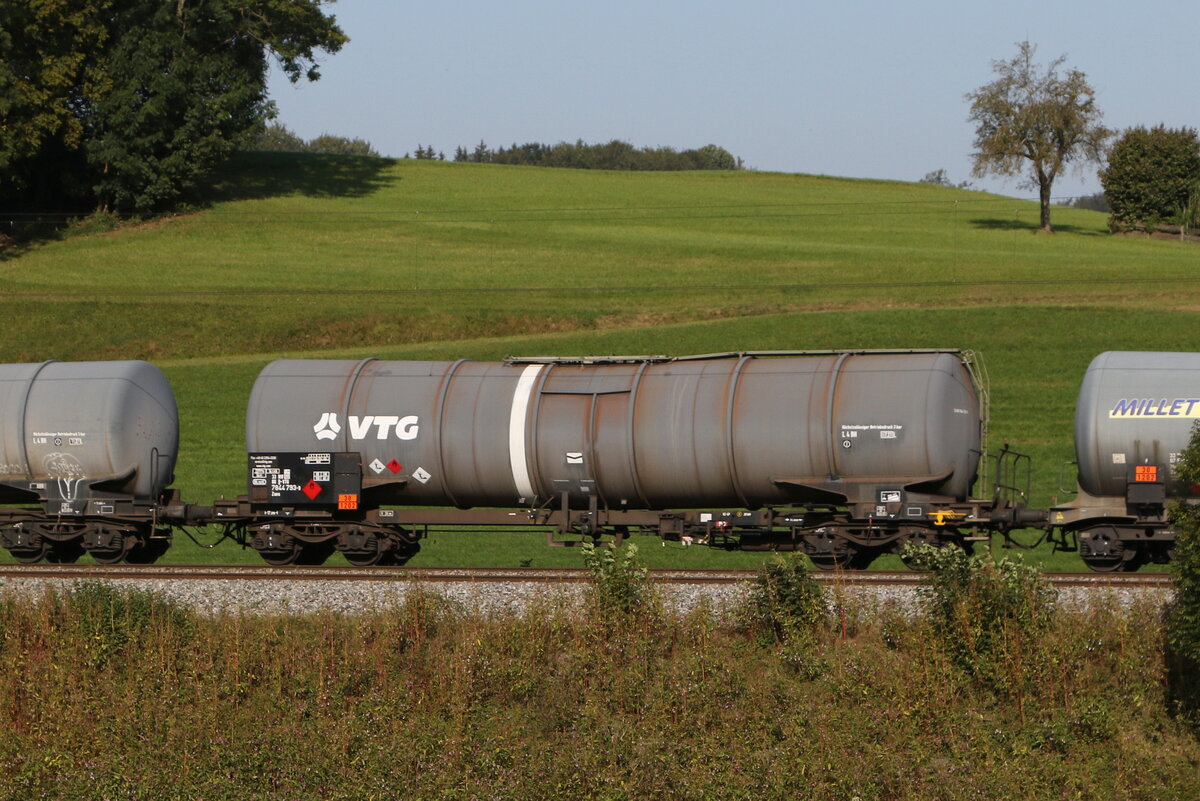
x=517, y=456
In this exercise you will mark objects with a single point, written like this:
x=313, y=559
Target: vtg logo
x=328, y=426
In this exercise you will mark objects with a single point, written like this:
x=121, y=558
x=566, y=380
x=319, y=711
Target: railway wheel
x=1102, y=550
x=361, y=559
x=370, y=553
x=107, y=545
x=832, y=561
x=282, y=551
x=363, y=548
x=828, y=550
x=277, y=547
x=32, y=552
x=25, y=542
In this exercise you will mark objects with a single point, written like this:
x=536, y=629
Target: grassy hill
x=329, y=256
x=311, y=252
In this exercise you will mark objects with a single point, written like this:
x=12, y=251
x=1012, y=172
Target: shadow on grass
x=11, y=248
x=259, y=175
x=246, y=176
x=1015, y=224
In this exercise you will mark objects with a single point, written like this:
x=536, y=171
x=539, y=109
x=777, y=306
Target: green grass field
x=325, y=256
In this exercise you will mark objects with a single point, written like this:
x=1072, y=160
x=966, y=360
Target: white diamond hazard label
x=377, y=466
x=421, y=474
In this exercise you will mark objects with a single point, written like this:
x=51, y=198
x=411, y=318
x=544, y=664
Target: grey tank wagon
x=842, y=455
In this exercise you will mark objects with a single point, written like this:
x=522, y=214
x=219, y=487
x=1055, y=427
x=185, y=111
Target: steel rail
x=516, y=575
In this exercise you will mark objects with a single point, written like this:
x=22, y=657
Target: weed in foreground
x=989, y=614
x=619, y=582
x=784, y=600
x=107, y=619
x=786, y=606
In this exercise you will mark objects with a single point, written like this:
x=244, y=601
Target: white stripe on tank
x=516, y=432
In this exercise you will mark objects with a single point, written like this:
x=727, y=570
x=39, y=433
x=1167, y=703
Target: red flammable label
x=395, y=466
x=312, y=489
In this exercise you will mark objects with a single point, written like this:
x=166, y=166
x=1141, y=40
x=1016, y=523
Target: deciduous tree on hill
x=1035, y=119
x=129, y=104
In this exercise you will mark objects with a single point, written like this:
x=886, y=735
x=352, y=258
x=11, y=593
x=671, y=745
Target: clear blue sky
x=856, y=89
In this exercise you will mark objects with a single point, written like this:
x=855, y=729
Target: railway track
x=518, y=575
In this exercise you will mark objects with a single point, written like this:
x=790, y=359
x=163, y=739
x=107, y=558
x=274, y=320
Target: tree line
x=614, y=155
x=278, y=138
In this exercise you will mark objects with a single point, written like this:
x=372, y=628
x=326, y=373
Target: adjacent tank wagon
x=1134, y=417
x=90, y=448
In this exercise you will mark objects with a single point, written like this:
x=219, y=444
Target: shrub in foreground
x=1183, y=614
x=990, y=615
x=787, y=608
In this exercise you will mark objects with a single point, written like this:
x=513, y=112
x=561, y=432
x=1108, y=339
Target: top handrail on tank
x=966, y=356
